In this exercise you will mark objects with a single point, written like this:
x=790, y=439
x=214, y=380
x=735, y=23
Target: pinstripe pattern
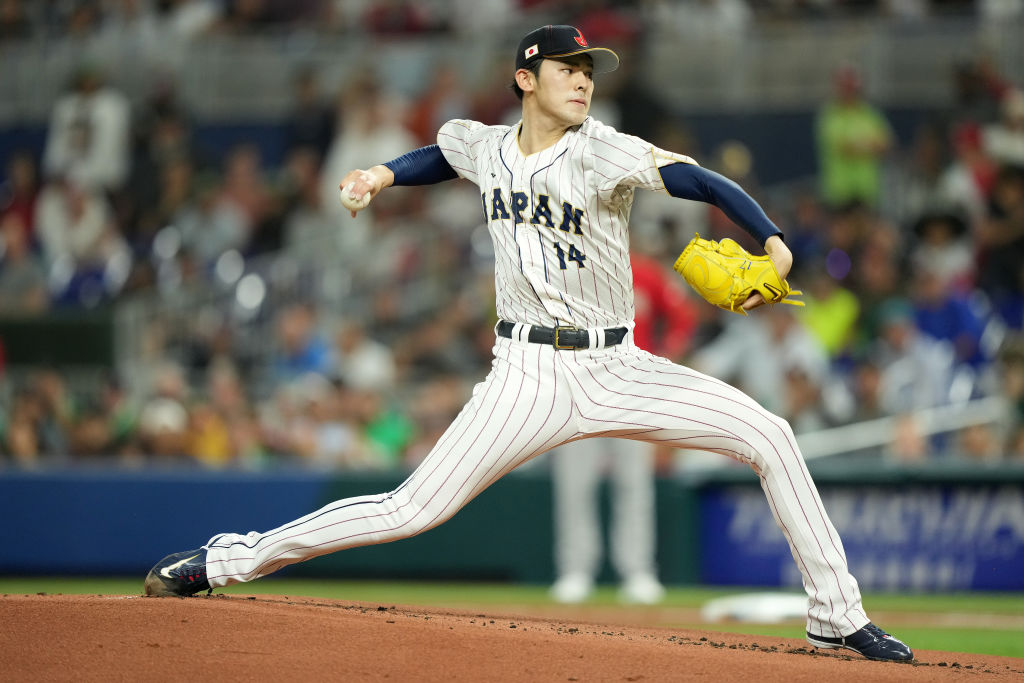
x=565, y=260
x=685, y=408
x=535, y=399
x=535, y=283
x=512, y=416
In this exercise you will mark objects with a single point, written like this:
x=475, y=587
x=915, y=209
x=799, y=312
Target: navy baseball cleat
x=870, y=641
x=181, y=574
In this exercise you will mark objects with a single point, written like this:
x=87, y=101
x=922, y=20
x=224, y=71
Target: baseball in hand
x=351, y=201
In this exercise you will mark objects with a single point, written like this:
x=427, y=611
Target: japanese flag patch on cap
x=563, y=41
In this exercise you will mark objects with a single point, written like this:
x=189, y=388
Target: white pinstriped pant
x=536, y=398
x=577, y=470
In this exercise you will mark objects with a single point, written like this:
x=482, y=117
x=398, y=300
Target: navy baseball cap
x=562, y=41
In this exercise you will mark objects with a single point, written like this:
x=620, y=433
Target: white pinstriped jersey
x=559, y=217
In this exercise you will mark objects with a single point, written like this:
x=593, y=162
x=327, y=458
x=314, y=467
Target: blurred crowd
x=910, y=253
x=911, y=256
x=162, y=20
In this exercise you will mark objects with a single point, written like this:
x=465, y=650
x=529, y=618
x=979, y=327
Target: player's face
x=564, y=88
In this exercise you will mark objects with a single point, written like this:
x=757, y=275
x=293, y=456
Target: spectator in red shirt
x=19, y=191
x=666, y=318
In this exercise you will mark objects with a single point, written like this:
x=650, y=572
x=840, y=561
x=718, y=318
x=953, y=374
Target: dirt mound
x=246, y=638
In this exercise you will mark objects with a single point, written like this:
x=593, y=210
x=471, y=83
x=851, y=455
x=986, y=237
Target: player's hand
x=359, y=187
x=782, y=257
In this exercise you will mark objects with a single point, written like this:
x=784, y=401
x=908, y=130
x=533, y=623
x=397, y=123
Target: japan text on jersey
x=559, y=217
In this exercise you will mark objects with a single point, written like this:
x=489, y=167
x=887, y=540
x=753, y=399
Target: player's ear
x=526, y=80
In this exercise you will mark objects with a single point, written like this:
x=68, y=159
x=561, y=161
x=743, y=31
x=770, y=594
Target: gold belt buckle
x=556, y=343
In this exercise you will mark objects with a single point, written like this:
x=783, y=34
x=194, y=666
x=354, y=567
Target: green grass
x=955, y=622
x=1003, y=642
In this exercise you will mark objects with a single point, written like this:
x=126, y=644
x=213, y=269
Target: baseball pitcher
x=556, y=190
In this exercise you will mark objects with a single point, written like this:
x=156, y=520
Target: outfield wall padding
x=941, y=529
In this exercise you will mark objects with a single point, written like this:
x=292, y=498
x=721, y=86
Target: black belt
x=564, y=337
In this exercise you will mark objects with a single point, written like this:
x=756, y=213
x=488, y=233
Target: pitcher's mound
x=249, y=638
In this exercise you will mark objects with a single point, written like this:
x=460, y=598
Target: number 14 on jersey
x=574, y=255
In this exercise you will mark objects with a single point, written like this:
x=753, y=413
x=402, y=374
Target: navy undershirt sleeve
x=423, y=166
x=689, y=181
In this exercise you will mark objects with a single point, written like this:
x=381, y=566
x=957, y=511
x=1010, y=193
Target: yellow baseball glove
x=725, y=274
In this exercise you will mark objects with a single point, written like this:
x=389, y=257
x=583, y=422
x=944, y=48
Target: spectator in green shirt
x=852, y=139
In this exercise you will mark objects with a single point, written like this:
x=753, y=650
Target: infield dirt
x=250, y=638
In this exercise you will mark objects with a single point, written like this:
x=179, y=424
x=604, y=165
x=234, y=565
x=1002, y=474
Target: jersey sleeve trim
x=662, y=158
